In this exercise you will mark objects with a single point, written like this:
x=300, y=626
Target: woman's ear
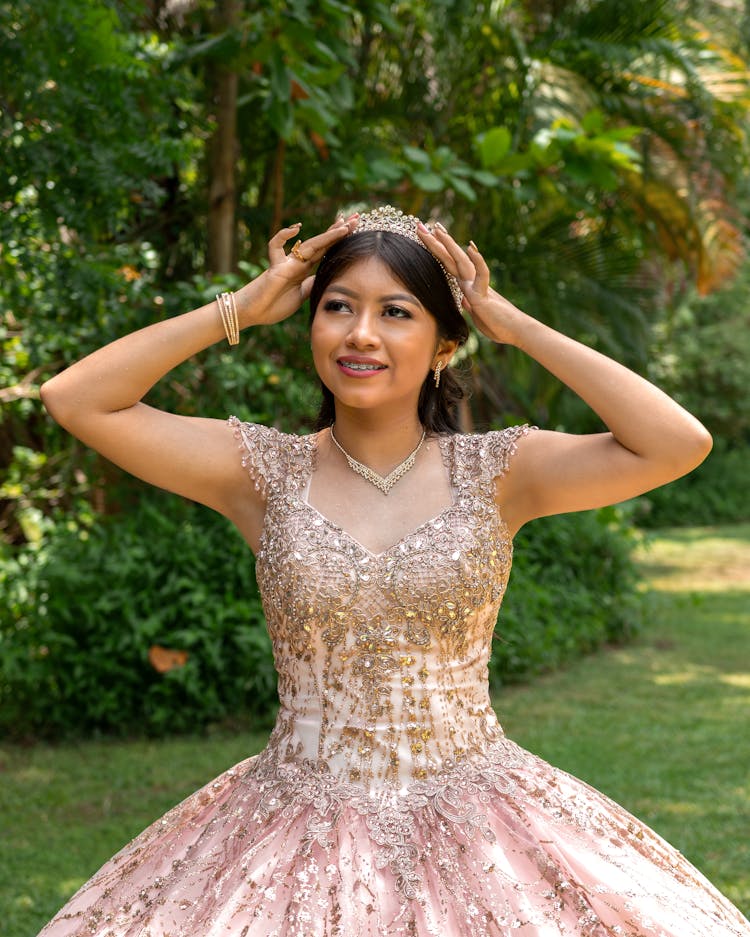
x=446, y=349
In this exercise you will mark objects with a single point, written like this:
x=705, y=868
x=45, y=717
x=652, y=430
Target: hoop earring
x=438, y=368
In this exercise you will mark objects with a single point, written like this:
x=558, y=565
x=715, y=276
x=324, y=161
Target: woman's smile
x=357, y=366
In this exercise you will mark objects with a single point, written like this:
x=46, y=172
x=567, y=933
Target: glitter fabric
x=388, y=800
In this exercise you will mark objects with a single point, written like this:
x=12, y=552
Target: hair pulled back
x=422, y=275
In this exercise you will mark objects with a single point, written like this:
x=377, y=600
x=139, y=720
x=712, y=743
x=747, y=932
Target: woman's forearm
x=641, y=417
x=117, y=376
x=120, y=374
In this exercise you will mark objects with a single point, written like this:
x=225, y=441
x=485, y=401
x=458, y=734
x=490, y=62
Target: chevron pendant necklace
x=383, y=484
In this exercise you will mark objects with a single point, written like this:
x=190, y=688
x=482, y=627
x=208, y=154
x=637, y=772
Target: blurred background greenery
x=596, y=150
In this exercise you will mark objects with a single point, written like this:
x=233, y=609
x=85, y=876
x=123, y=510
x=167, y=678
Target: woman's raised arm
x=98, y=399
x=651, y=440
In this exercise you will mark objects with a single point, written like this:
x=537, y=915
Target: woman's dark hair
x=422, y=275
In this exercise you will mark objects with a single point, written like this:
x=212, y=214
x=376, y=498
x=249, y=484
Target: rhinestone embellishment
x=383, y=484
x=393, y=220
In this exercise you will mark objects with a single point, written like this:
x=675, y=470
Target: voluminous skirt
x=502, y=844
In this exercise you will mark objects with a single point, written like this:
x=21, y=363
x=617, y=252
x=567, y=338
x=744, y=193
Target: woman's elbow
x=696, y=448
x=54, y=400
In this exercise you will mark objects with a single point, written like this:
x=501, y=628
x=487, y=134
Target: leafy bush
x=86, y=607
x=573, y=588
x=702, y=357
x=715, y=493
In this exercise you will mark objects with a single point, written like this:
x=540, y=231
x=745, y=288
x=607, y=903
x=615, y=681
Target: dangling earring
x=438, y=368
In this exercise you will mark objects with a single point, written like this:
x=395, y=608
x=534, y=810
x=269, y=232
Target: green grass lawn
x=660, y=725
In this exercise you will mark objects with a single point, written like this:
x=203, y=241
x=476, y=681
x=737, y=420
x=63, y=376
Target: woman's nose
x=363, y=332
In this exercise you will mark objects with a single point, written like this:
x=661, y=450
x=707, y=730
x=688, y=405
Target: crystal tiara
x=388, y=218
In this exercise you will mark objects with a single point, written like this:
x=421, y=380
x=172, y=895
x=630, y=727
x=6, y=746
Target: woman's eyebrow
x=390, y=297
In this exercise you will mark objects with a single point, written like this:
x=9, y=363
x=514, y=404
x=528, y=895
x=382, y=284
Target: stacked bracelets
x=229, y=317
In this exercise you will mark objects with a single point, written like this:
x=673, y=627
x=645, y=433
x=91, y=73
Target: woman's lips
x=360, y=367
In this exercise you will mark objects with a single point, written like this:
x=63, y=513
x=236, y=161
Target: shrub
x=85, y=608
x=715, y=493
x=573, y=588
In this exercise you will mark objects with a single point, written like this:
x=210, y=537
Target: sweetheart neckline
x=371, y=553
x=446, y=459
x=312, y=452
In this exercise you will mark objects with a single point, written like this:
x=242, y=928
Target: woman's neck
x=379, y=441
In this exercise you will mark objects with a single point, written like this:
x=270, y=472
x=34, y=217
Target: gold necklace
x=370, y=475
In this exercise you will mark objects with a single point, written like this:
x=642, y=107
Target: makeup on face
x=368, y=330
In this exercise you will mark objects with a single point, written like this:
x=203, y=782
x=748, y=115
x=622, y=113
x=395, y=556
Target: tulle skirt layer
x=502, y=846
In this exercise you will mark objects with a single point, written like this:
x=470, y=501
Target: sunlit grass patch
x=700, y=559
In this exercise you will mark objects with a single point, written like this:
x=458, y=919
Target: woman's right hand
x=100, y=398
x=281, y=289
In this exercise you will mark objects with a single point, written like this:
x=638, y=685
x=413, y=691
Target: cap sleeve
x=499, y=448
x=261, y=453
x=482, y=457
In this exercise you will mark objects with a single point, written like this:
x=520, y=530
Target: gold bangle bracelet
x=229, y=317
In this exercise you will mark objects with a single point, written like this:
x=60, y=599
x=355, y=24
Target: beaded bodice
x=382, y=658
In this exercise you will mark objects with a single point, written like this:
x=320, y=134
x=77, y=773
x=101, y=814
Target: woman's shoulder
x=487, y=441
x=489, y=454
x=248, y=430
x=271, y=455
x=490, y=435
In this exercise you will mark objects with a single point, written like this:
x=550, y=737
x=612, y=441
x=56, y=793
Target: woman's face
x=373, y=342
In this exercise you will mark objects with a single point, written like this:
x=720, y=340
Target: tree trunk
x=222, y=196
x=278, y=186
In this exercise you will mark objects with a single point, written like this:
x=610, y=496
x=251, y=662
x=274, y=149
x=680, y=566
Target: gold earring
x=438, y=368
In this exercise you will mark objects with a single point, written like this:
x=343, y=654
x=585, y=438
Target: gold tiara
x=388, y=218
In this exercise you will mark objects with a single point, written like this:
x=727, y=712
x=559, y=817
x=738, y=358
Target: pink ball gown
x=388, y=800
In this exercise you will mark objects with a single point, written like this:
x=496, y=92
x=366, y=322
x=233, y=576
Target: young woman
x=388, y=801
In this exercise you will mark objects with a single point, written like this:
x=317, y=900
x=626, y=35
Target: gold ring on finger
x=296, y=252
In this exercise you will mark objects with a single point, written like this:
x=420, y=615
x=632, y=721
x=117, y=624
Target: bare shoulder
x=555, y=473
x=513, y=487
x=210, y=457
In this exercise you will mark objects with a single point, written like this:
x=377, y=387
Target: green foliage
x=716, y=492
x=88, y=116
x=572, y=589
x=83, y=610
x=593, y=150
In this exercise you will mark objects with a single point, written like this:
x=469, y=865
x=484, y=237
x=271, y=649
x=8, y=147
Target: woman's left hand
x=651, y=438
x=494, y=315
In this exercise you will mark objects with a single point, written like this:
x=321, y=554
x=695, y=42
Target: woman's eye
x=336, y=305
x=397, y=312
